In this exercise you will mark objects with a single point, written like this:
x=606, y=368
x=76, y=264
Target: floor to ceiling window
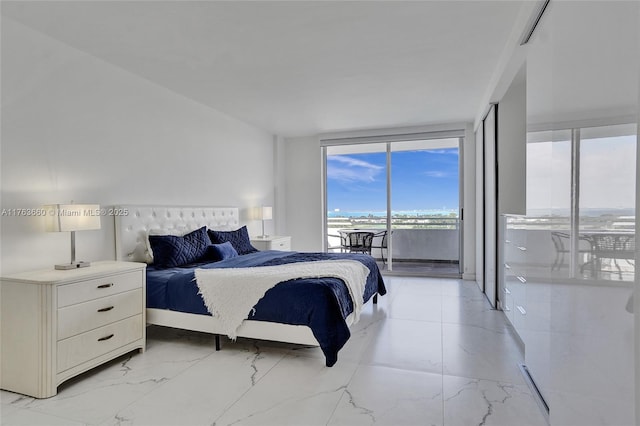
x=585, y=194
x=407, y=193
x=579, y=233
x=580, y=299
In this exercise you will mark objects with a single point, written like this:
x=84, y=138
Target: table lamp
x=265, y=213
x=72, y=218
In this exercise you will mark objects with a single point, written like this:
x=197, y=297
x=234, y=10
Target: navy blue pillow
x=170, y=251
x=221, y=251
x=239, y=239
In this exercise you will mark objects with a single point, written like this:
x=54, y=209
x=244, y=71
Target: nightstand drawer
x=283, y=244
x=71, y=294
x=76, y=319
x=86, y=346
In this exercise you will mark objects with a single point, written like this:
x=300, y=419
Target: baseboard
x=469, y=277
x=453, y=262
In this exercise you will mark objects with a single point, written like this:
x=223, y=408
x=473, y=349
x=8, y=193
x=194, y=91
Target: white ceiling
x=297, y=68
x=583, y=62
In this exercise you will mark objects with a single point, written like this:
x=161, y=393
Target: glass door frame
x=459, y=135
x=575, y=132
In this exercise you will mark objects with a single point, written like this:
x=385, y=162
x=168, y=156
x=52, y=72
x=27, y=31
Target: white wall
x=511, y=148
x=636, y=292
x=77, y=128
x=479, y=205
x=279, y=175
x=469, y=247
x=303, y=188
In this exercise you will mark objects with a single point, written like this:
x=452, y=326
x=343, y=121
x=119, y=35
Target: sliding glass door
x=606, y=201
x=407, y=193
x=425, y=201
x=586, y=196
x=356, y=190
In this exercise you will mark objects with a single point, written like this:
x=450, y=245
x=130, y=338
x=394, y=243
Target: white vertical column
x=279, y=183
x=575, y=203
x=389, y=233
x=636, y=293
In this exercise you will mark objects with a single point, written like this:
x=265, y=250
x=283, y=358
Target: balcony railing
x=605, y=222
x=415, y=238
x=593, y=260
x=397, y=222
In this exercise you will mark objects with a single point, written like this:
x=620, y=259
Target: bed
x=310, y=311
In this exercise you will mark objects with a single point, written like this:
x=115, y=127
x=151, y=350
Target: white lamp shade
x=72, y=217
x=266, y=213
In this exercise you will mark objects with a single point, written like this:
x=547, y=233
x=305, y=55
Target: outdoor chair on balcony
x=344, y=239
x=558, y=243
x=336, y=241
x=614, y=246
x=359, y=242
x=561, y=244
x=380, y=242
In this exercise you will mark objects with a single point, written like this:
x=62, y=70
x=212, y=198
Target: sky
x=421, y=180
x=428, y=179
x=607, y=173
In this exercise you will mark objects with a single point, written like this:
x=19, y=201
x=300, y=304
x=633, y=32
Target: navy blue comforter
x=321, y=304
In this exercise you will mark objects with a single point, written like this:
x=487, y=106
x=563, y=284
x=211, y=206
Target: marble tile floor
x=432, y=352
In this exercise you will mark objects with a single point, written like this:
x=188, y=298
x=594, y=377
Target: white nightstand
x=272, y=242
x=58, y=324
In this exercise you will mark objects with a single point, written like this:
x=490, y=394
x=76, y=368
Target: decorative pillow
x=148, y=253
x=239, y=239
x=221, y=251
x=171, y=250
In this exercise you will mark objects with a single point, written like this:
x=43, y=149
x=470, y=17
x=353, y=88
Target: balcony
x=425, y=246
x=606, y=247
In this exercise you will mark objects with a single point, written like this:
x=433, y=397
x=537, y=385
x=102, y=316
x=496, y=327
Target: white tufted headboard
x=133, y=222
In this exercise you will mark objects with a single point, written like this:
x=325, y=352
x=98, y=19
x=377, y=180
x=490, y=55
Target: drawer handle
x=105, y=309
x=522, y=310
x=506, y=265
x=521, y=279
x=102, y=339
x=105, y=285
x=522, y=248
x=506, y=291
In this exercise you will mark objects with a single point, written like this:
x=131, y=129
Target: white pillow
x=178, y=232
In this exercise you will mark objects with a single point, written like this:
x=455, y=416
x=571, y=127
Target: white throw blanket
x=230, y=293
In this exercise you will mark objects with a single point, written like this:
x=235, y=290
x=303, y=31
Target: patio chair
x=561, y=250
x=585, y=248
x=380, y=242
x=331, y=242
x=614, y=246
x=360, y=242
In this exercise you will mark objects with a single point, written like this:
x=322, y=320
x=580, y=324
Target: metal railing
x=604, y=248
x=397, y=222
x=416, y=238
x=605, y=222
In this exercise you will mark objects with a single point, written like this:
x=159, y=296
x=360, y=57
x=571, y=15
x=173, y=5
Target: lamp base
x=74, y=265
